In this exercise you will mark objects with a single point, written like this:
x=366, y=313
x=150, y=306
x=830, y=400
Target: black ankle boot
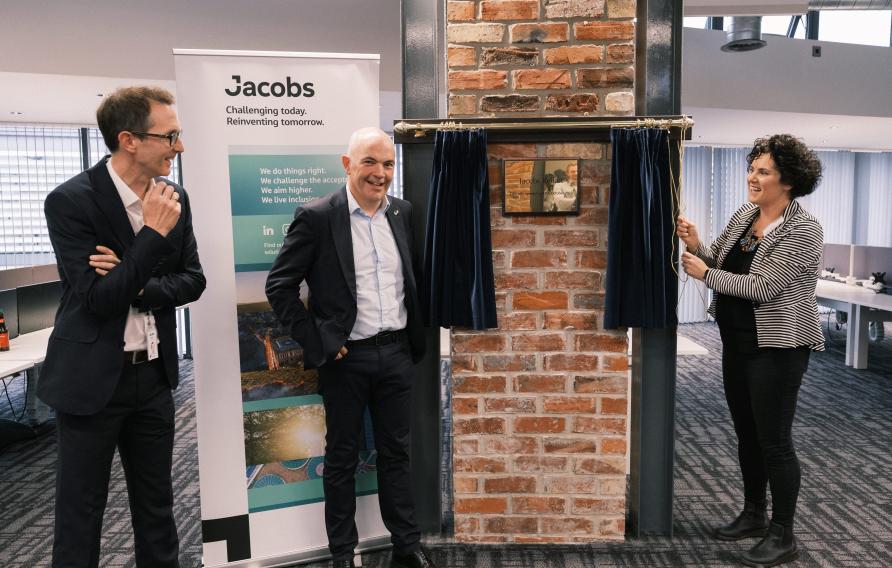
x=752, y=521
x=778, y=547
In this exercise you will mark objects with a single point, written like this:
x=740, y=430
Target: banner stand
x=264, y=132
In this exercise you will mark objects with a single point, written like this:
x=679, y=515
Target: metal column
x=423, y=60
x=812, y=24
x=657, y=92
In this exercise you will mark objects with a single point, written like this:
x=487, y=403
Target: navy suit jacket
x=85, y=352
x=319, y=249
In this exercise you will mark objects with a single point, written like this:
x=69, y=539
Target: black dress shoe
x=343, y=564
x=778, y=547
x=752, y=521
x=417, y=559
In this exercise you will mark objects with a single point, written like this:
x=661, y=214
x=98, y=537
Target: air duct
x=849, y=4
x=745, y=34
x=727, y=8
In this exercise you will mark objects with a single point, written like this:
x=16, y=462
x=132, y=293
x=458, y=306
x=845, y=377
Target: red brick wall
x=540, y=404
x=540, y=57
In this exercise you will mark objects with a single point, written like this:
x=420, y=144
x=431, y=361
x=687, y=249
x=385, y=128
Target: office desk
x=863, y=306
x=11, y=430
x=10, y=366
x=26, y=353
x=28, y=347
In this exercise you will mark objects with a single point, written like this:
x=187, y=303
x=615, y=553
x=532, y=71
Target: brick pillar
x=540, y=405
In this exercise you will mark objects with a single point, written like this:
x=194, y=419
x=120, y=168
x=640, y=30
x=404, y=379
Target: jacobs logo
x=265, y=89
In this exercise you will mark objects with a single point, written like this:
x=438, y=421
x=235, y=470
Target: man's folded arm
x=74, y=239
x=186, y=283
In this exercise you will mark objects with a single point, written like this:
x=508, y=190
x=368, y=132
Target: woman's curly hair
x=799, y=167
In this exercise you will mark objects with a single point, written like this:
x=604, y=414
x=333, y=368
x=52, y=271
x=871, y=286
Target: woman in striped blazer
x=763, y=270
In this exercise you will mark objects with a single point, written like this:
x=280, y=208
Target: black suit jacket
x=84, y=356
x=319, y=249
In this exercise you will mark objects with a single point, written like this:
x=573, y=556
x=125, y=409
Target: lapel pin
x=396, y=211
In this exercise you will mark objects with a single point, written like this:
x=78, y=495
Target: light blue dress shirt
x=380, y=293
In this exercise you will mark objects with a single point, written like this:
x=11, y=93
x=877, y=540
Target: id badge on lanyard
x=151, y=336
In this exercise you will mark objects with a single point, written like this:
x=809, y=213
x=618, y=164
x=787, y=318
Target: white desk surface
x=853, y=295
x=12, y=366
x=29, y=347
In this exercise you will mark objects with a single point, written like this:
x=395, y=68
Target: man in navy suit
x=362, y=331
x=127, y=257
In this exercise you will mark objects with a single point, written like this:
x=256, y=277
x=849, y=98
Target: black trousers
x=379, y=377
x=139, y=421
x=762, y=387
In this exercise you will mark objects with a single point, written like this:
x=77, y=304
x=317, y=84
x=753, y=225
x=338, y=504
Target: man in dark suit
x=127, y=257
x=363, y=332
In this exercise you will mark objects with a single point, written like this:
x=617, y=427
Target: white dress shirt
x=135, y=332
x=380, y=293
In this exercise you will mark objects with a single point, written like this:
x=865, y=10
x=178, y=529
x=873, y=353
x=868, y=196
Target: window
x=695, y=22
x=778, y=25
x=97, y=146
x=33, y=161
x=865, y=27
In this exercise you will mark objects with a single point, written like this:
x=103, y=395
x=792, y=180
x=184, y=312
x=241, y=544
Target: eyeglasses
x=171, y=138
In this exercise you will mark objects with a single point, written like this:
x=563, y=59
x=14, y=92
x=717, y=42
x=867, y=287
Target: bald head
x=369, y=164
x=366, y=136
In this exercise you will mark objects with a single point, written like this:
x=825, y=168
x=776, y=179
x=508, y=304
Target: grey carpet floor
x=843, y=431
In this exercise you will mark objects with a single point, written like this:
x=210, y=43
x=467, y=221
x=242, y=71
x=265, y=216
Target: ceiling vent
x=745, y=34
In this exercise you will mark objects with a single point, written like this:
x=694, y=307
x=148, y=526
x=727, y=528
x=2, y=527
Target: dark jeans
x=139, y=421
x=761, y=387
x=380, y=378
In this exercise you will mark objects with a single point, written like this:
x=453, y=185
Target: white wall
x=783, y=76
x=57, y=55
x=126, y=38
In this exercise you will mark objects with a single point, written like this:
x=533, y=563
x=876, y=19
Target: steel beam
x=423, y=54
x=652, y=447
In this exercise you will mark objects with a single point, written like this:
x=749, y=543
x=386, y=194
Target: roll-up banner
x=264, y=132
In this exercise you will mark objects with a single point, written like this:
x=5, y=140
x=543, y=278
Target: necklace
x=749, y=241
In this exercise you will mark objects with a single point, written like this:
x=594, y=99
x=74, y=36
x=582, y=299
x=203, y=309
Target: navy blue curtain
x=457, y=287
x=642, y=288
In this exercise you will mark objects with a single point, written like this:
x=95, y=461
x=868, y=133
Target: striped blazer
x=782, y=278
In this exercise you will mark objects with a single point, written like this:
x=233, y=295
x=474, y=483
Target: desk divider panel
x=866, y=260
x=9, y=306
x=37, y=305
x=837, y=257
